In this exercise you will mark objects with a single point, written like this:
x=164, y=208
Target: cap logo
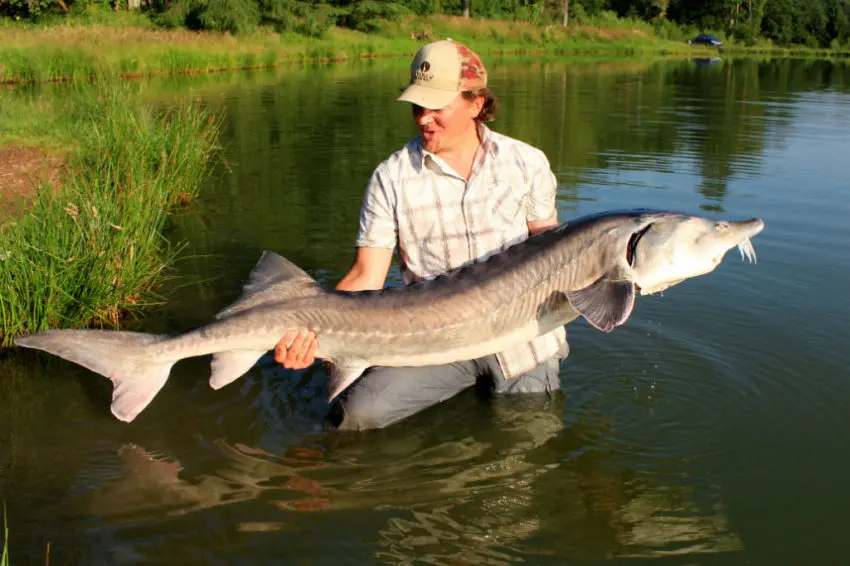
x=422, y=74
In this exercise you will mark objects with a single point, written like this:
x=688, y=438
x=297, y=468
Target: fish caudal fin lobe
x=606, y=304
x=120, y=356
x=136, y=386
x=229, y=366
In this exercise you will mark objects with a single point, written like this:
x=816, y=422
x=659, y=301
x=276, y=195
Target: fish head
x=671, y=248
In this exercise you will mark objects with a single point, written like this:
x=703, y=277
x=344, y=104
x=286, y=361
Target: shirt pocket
x=507, y=205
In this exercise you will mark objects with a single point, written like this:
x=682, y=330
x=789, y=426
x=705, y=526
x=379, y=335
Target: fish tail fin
x=123, y=357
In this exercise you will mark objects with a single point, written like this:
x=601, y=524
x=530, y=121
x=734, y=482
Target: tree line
x=813, y=23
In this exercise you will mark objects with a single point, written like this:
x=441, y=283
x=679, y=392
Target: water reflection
x=707, y=60
x=450, y=490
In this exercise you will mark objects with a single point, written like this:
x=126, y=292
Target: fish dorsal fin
x=273, y=279
x=606, y=304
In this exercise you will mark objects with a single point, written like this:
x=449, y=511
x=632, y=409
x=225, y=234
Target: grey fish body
x=590, y=267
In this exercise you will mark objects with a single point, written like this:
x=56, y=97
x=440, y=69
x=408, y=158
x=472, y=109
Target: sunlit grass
x=102, y=43
x=5, y=559
x=98, y=50
x=82, y=52
x=90, y=249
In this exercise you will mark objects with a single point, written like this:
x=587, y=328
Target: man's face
x=443, y=129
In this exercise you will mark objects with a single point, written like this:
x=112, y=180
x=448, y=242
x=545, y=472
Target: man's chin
x=431, y=146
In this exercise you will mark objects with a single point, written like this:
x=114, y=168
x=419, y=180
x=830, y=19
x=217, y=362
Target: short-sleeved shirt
x=440, y=221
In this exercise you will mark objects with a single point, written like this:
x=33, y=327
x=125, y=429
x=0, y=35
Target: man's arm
x=537, y=226
x=369, y=271
x=297, y=350
x=541, y=208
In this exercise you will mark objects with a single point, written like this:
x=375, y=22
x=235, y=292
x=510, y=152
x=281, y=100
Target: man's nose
x=422, y=115
x=425, y=117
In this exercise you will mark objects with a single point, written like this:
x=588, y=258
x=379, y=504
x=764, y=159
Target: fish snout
x=753, y=226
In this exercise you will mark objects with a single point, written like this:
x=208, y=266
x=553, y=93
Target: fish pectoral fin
x=341, y=376
x=606, y=304
x=227, y=367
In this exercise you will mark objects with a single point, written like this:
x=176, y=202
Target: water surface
x=711, y=428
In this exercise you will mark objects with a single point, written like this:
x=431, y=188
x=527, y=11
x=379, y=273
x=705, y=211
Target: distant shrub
x=366, y=15
x=278, y=14
x=174, y=16
x=28, y=9
x=234, y=16
x=315, y=21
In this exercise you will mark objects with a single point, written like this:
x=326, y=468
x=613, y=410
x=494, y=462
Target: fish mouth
x=745, y=247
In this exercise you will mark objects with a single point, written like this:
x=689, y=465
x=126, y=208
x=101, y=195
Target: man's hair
x=488, y=111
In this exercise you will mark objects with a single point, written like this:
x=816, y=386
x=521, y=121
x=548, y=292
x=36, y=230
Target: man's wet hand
x=296, y=350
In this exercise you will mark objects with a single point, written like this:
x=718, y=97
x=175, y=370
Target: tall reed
x=5, y=559
x=92, y=248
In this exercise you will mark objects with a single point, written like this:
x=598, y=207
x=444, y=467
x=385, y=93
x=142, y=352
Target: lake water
x=713, y=428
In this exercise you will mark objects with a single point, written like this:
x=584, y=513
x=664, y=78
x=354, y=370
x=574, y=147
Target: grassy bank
x=91, y=248
x=4, y=561
x=77, y=51
x=98, y=43
x=766, y=48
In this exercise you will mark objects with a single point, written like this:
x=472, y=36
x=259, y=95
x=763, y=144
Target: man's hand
x=296, y=350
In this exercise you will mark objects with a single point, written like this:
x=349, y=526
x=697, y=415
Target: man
x=454, y=194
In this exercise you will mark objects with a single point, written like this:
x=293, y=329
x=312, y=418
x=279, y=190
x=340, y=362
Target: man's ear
x=478, y=104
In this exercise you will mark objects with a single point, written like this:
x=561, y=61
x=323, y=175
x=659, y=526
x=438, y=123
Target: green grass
x=101, y=44
x=76, y=51
x=91, y=249
x=5, y=560
x=34, y=121
x=800, y=51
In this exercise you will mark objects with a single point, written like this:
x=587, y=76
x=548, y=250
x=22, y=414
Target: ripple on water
x=659, y=393
x=660, y=398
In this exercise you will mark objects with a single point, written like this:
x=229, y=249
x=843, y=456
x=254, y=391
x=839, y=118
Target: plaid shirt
x=441, y=221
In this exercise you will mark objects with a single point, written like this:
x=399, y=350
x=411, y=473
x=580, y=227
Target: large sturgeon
x=590, y=267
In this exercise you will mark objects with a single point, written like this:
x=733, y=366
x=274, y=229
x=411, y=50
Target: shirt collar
x=488, y=142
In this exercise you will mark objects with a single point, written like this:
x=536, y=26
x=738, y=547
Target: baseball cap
x=440, y=71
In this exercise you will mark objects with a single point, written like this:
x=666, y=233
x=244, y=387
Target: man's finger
x=289, y=338
x=311, y=350
x=282, y=348
x=303, y=350
x=280, y=351
x=295, y=351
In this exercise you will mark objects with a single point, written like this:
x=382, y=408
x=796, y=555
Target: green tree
x=838, y=21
